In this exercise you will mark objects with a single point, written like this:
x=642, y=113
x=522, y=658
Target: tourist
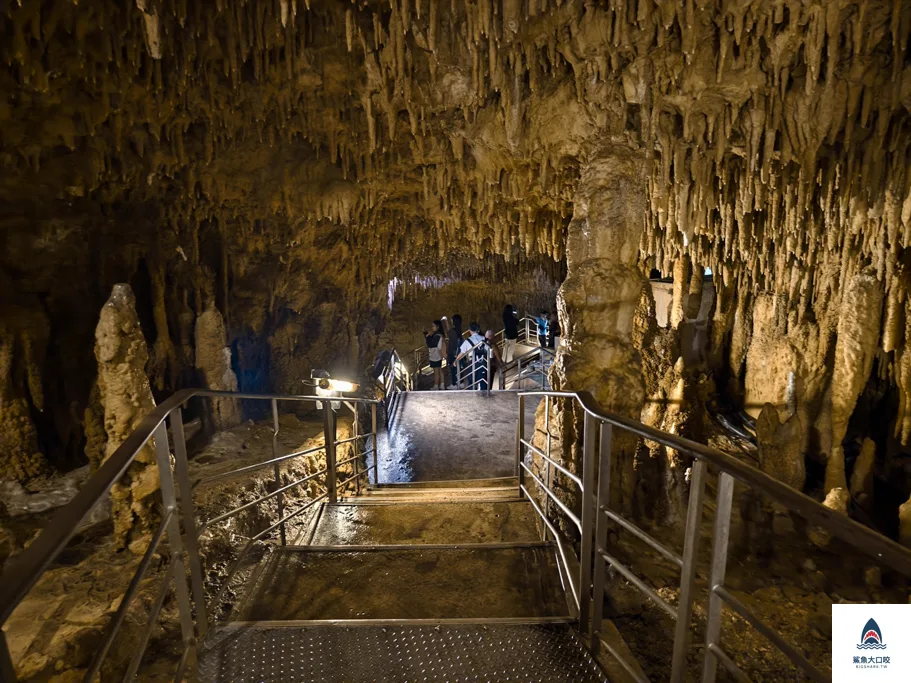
x=553, y=331
x=454, y=341
x=474, y=350
x=541, y=321
x=496, y=360
x=435, y=348
x=510, y=332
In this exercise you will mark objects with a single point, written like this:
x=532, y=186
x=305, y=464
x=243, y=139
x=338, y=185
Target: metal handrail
x=392, y=381
x=872, y=543
x=24, y=571
x=595, y=517
x=500, y=338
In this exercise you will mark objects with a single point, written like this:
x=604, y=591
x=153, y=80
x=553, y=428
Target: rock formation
x=213, y=360
x=23, y=336
x=858, y=331
x=598, y=300
x=126, y=398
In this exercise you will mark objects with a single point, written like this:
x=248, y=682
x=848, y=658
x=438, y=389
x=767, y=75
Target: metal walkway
x=545, y=653
x=449, y=579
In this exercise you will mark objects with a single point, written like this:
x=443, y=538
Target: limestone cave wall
x=282, y=161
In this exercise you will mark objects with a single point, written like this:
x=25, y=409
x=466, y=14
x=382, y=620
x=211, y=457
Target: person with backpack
x=454, y=341
x=479, y=349
x=541, y=320
x=510, y=332
x=435, y=348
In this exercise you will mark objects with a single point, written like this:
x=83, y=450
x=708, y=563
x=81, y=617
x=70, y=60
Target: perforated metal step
x=549, y=653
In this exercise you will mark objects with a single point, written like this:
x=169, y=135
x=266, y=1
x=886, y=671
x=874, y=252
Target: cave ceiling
x=388, y=132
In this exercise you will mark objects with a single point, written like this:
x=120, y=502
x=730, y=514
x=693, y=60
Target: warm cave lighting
x=338, y=385
x=325, y=383
x=327, y=387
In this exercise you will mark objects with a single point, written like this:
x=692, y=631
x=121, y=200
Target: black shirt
x=510, y=325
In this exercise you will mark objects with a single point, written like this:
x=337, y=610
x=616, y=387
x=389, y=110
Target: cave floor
x=449, y=435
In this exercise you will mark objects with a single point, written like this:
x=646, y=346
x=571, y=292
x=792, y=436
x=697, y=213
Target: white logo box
x=885, y=655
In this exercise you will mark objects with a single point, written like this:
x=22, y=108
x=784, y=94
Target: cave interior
x=714, y=197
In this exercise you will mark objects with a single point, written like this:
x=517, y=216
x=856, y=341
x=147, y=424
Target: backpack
x=435, y=347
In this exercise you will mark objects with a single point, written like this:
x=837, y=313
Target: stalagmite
x=22, y=334
x=213, y=359
x=858, y=334
x=126, y=398
x=601, y=292
x=862, y=476
x=694, y=294
x=682, y=272
x=781, y=452
x=772, y=363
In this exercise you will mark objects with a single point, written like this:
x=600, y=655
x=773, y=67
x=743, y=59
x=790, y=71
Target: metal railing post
x=489, y=368
x=719, y=567
x=547, y=468
x=589, y=439
x=188, y=512
x=279, y=499
x=329, y=430
x=169, y=504
x=601, y=525
x=356, y=442
x=520, y=436
x=688, y=572
x=376, y=470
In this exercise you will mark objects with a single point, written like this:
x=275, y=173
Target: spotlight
x=325, y=382
x=326, y=387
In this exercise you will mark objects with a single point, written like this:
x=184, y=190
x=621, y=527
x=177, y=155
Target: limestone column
x=213, y=360
x=855, y=349
x=597, y=303
x=126, y=397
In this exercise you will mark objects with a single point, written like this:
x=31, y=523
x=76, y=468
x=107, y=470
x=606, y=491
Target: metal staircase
x=423, y=582
x=417, y=576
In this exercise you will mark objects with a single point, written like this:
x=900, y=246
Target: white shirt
x=471, y=342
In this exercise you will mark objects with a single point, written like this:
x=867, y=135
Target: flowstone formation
x=293, y=158
x=126, y=398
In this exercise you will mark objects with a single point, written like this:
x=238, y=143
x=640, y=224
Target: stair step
x=494, y=482
x=391, y=654
x=415, y=583
x=425, y=522
x=412, y=494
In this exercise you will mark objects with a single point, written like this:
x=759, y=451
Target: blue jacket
x=542, y=326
